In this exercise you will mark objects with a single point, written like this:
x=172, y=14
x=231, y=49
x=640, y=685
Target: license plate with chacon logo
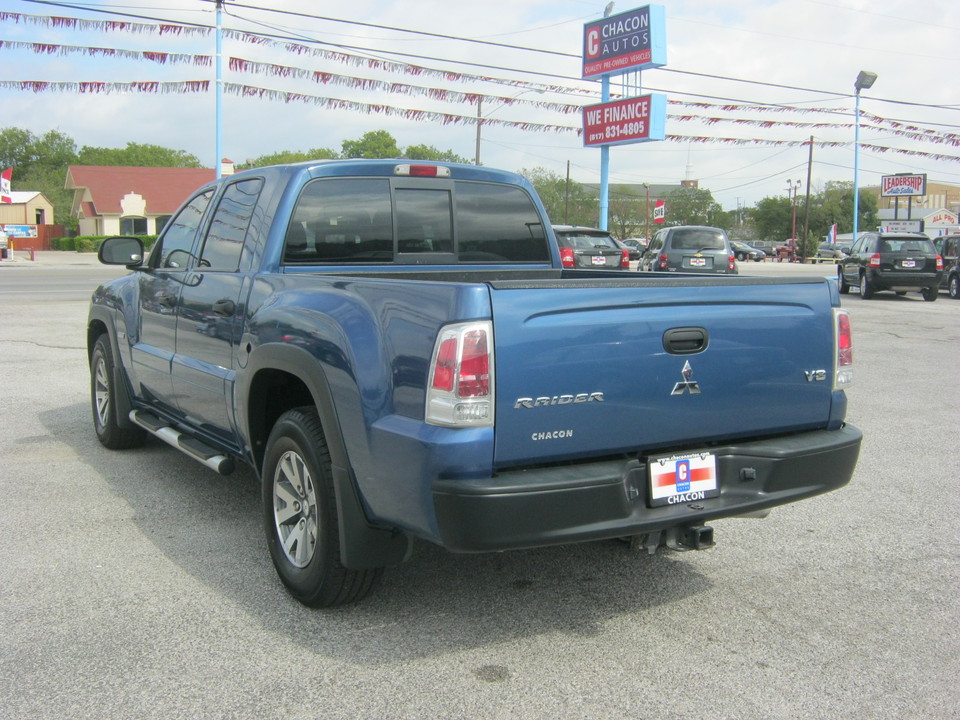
x=678, y=479
x=598, y=260
x=698, y=262
x=909, y=264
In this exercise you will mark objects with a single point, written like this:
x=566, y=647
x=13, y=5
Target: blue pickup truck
x=397, y=351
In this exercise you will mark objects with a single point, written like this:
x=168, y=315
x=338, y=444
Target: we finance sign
x=632, y=40
x=620, y=122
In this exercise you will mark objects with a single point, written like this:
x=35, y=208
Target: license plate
x=698, y=262
x=909, y=264
x=598, y=260
x=678, y=479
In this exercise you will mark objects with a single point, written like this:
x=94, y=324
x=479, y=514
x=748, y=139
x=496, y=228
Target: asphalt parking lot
x=136, y=584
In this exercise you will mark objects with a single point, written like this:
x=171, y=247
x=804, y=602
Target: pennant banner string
x=162, y=58
x=905, y=129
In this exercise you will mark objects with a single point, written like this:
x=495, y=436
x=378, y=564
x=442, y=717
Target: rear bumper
x=593, y=501
x=890, y=280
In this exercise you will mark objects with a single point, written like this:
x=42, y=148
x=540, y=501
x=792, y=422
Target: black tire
x=842, y=282
x=953, y=287
x=930, y=294
x=866, y=288
x=300, y=515
x=741, y=256
x=103, y=401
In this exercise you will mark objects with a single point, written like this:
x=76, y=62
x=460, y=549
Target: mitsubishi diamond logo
x=686, y=384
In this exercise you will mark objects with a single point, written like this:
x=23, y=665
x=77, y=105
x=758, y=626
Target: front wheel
x=300, y=515
x=103, y=401
x=931, y=293
x=953, y=287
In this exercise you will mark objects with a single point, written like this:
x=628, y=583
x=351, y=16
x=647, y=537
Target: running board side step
x=187, y=444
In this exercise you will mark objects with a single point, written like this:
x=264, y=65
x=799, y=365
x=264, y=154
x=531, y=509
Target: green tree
x=428, y=152
x=772, y=218
x=137, y=155
x=566, y=203
x=40, y=164
x=694, y=206
x=291, y=156
x=374, y=144
x=627, y=212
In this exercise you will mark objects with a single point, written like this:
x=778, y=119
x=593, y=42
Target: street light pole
x=865, y=80
x=647, y=214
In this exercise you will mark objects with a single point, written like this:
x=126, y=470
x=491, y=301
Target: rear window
x=360, y=220
x=586, y=241
x=697, y=239
x=907, y=245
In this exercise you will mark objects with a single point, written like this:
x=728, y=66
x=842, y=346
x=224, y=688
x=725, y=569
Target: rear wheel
x=953, y=287
x=300, y=515
x=866, y=288
x=931, y=293
x=842, y=281
x=103, y=401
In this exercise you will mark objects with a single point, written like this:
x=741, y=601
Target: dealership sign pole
x=615, y=45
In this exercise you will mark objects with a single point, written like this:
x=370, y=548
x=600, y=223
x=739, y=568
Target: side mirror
x=121, y=250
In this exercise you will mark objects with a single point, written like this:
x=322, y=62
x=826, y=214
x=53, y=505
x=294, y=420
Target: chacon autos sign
x=903, y=185
x=632, y=40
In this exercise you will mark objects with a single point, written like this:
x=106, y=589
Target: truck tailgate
x=593, y=367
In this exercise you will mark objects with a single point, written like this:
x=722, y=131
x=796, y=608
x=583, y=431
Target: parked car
x=639, y=244
x=831, y=251
x=635, y=253
x=900, y=262
x=690, y=248
x=743, y=252
x=948, y=246
x=591, y=248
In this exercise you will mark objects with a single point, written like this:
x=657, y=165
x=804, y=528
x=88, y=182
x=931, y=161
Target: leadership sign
x=632, y=40
x=903, y=185
x=621, y=122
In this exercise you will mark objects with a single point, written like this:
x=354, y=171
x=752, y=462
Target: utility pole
x=806, y=205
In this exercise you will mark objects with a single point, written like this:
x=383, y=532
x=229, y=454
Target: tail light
x=875, y=260
x=460, y=387
x=843, y=341
x=625, y=259
x=732, y=262
x=422, y=171
x=939, y=262
x=663, y=262
x=567, y=258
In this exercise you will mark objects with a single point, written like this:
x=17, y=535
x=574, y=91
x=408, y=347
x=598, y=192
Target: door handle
x=685, y=341
x=167, y=300
x=224, y=307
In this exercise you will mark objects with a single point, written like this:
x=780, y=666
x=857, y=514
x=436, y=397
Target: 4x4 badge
x=687, y=384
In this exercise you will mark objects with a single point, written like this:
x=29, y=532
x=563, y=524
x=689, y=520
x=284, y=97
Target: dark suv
x=949, y=248
x=585, y=247
x=690, y=248
x=900, y=262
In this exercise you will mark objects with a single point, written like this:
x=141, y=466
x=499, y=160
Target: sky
x=748, y=83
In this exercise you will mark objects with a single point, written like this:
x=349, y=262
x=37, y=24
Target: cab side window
x=228, y=229
x=172, y=251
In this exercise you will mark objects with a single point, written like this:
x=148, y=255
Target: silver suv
x=690, y=248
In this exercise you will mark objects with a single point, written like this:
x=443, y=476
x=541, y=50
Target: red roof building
x=130, y=200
